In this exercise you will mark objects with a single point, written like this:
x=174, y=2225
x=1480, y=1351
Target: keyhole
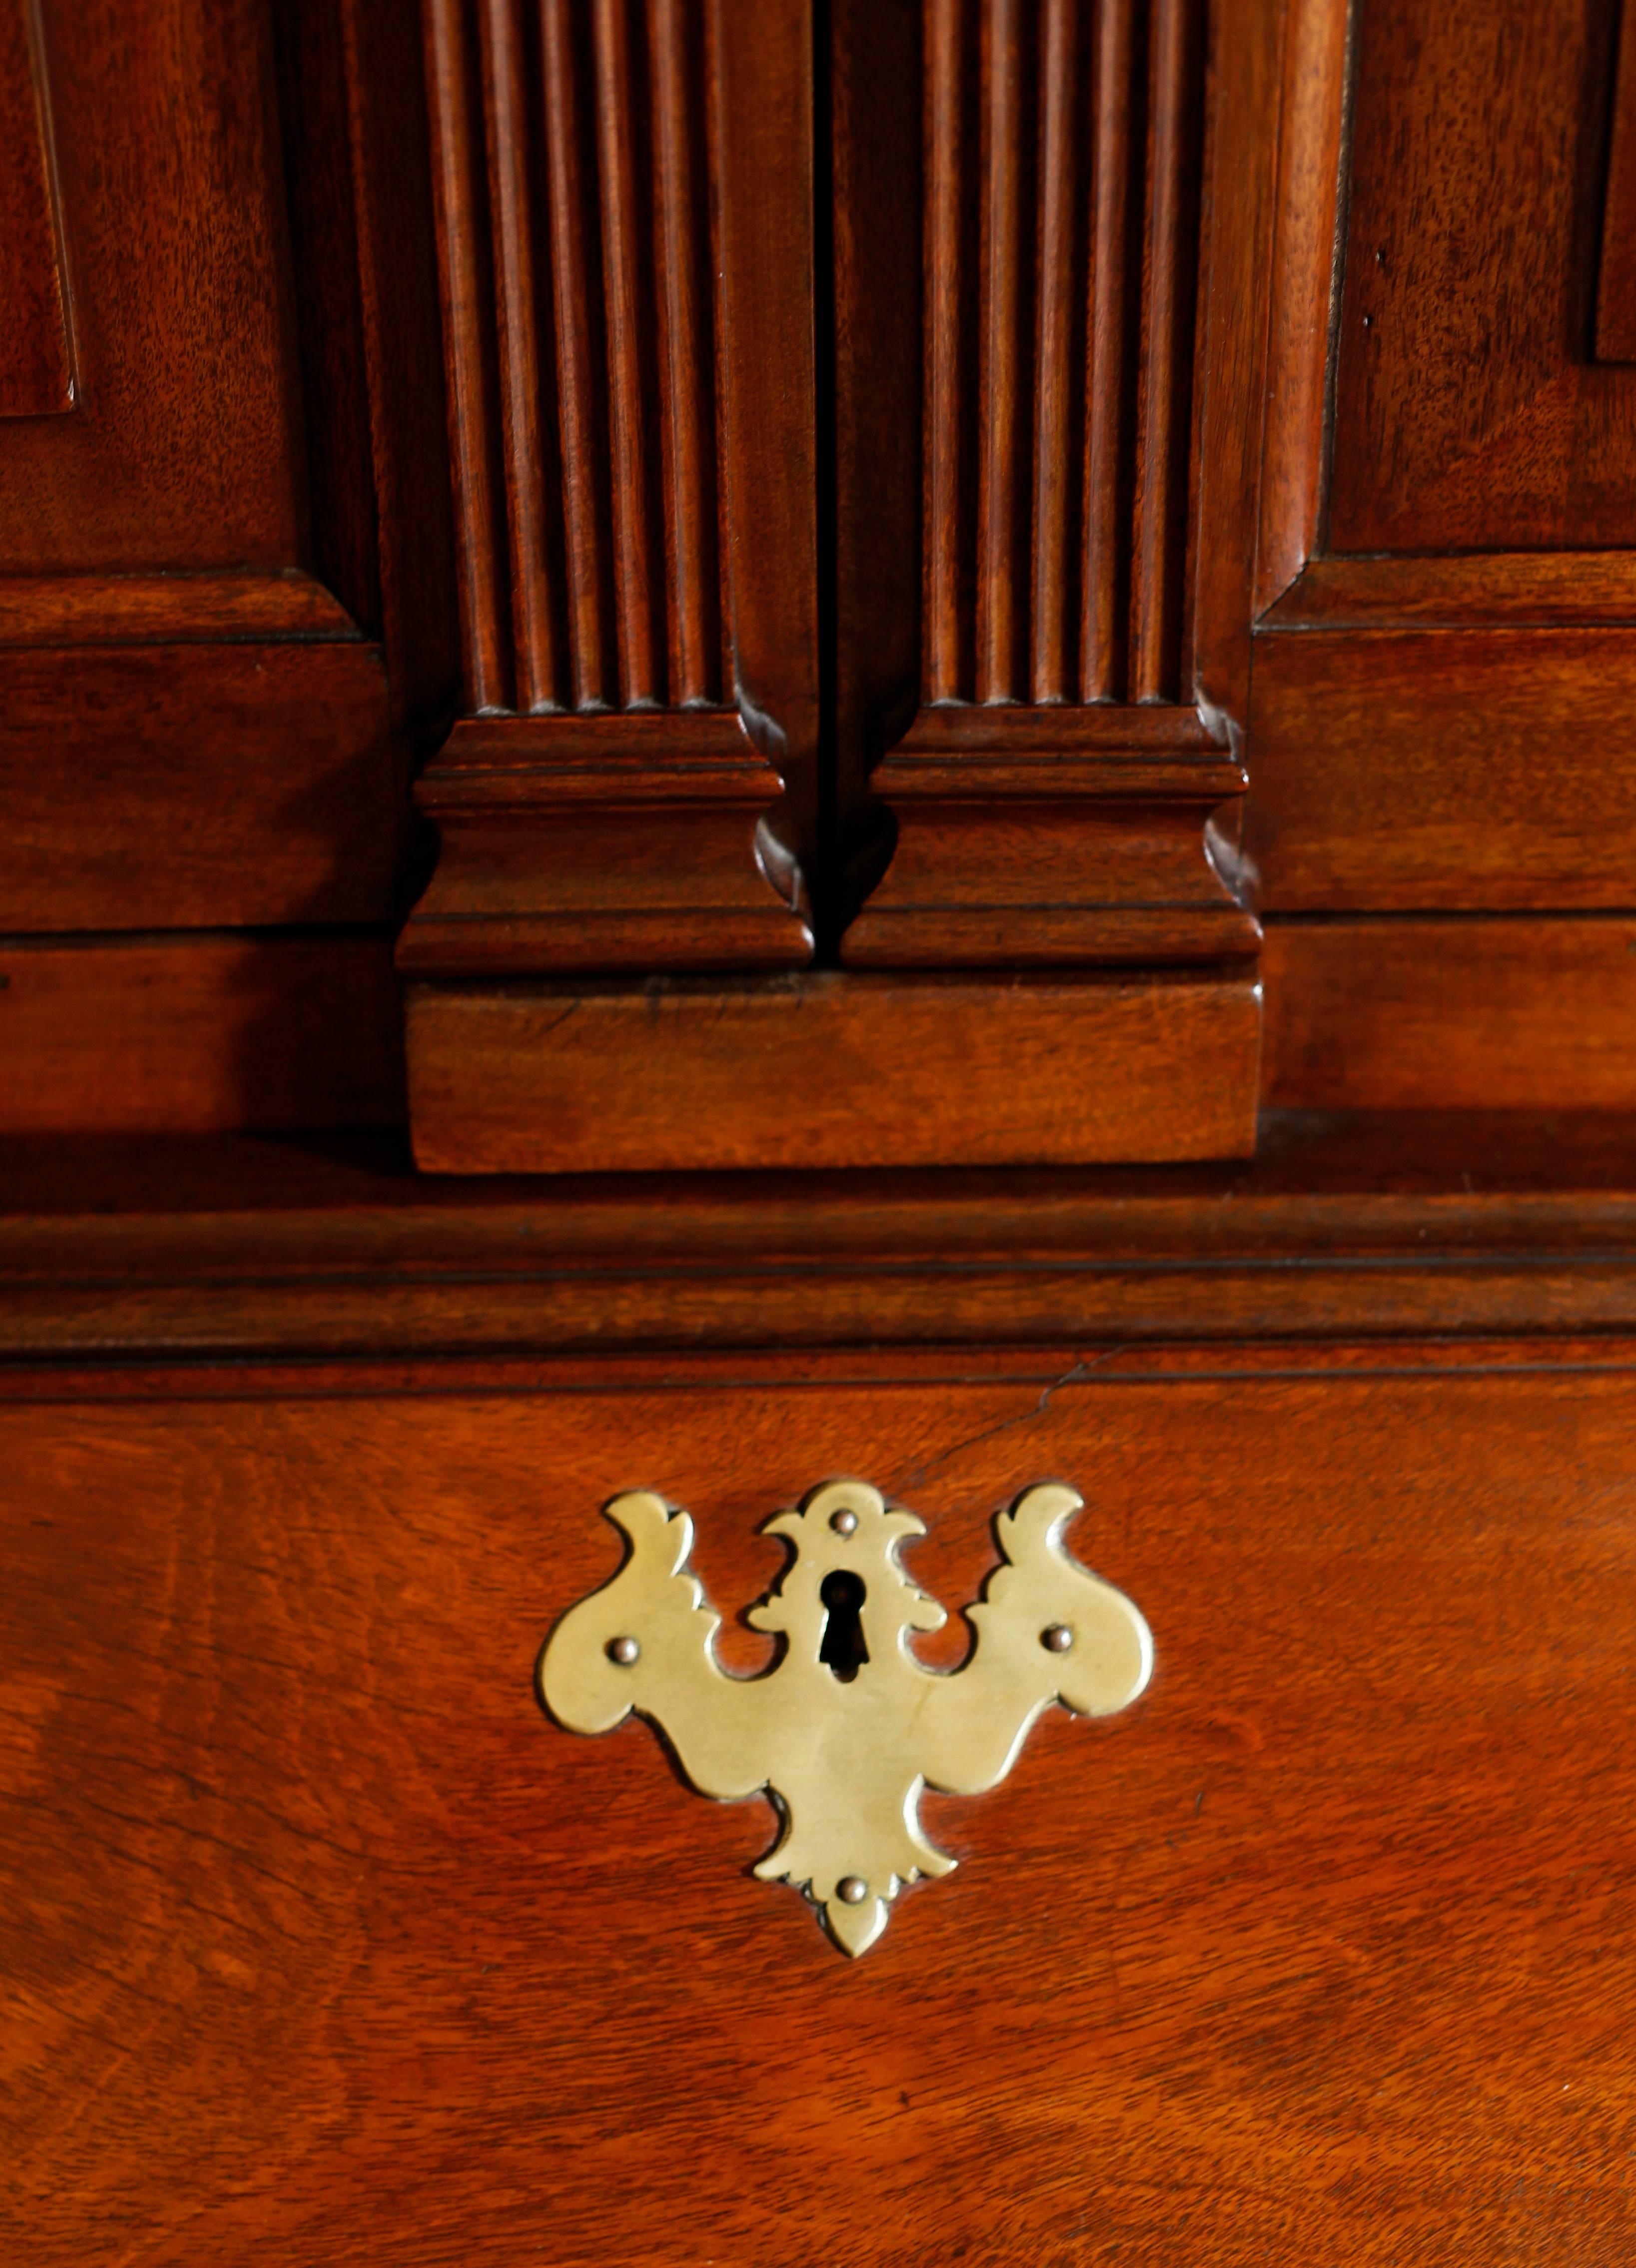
x=842, y=1594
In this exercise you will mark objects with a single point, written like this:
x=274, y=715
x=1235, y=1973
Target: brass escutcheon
x=846, y=1727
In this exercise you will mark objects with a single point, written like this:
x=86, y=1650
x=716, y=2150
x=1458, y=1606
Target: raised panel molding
x=1054, y=800
x=633, y=530
x=36, y=346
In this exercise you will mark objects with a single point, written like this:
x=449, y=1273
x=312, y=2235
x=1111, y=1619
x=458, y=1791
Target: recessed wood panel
x=1399, y=771
x=1451, y=1015
x=182, y=1035
x=163, y=786
x=185, y=448
x=36, y=355
x=1470, y=412
x=319, y=1940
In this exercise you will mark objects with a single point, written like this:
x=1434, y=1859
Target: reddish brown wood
x=254, y=782
x=946, y=286
x=185, y=449
x=1304, y=276
x=638, y=685
x=1518, y=589
x=998, y=378
x=1163, y=392
x=874, y=519
x=830, y=1071
x=505, y=79
x=575, y=843
x=687, y=392
x=1451, y=1015
x=1054, y=335
x=457, y=173
x=281, y=1805
x=1398, y=770
x=1616, y=273
x=36, y=353
x=1047, y=837
x=393, y=240
x=1470, y=413
x=200, y=609
x=1238, y=200
x=1102, y=673
x=762, y=142
x=194, y=1034
x=598, y=843
x=1339, y=1228
x=1012, y=851
x=821, y=1070
x=585, y=537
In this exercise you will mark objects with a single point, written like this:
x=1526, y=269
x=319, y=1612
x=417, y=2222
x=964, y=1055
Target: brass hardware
x=845, y=1746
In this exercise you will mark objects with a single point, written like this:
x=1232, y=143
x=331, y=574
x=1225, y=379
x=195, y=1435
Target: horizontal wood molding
x=1490, y=770
x=1398, y=1014
x=1488, y=590
x=1052, y=837
x=828, y=1069
x=137, y=609
x=1340, y=1227
x=171, y=785
x=606, y=844
x=198, y=1035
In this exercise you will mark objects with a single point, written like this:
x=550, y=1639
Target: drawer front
x=321, y=1943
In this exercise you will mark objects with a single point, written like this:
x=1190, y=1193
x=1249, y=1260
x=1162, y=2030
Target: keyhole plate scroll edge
x=845, y=1758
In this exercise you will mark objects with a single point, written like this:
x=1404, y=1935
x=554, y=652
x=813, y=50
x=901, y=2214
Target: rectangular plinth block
x=830, y=1070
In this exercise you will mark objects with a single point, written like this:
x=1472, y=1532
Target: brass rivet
x=852, y=1889
x=1056, y=1637
x=844, y=1522
x=624, y=1650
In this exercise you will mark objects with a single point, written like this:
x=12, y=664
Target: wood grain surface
x=185, y=448
x=625, y=841
x=1340, y=1227
x=36, y=351
x=1455, y=1014
x=321, y=1943
x=1470, y=412
x=830, y=1070
x=159, y=786
x=1615, y=271
x=199, y=1032
x=1416, y=770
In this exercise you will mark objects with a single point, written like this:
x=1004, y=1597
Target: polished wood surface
x=258, y=780
x=1042, y=837
x=36, y=354
x=1470, y=412
x=199, y=1032
x=598, y=843
x=1516, y=1013
x=633, y=485
x=1616, y=272
x=822, y=1069
x=682, y=685
x=1341, y=1228
x=1419, y=770
x=185, y=448
x=320, y=1937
